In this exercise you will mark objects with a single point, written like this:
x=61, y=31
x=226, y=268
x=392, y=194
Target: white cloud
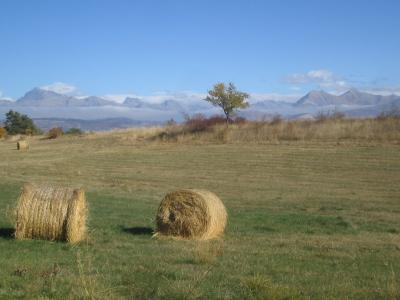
x=384, y=91
x=2, y=97
x=324, y=79
x=191, y=97
x=274, y=96
x=158, y=97
x=81, y=96
x=183, y=96
x=61, y=88
x=295, y=88
x=119, y=98
x=186, y=97
x=336, y=84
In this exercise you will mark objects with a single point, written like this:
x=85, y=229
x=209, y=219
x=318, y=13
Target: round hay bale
x=191, y=214
x=22, y=145
x=51, y=213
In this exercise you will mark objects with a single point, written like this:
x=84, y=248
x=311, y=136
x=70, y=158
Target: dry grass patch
x=331, y=129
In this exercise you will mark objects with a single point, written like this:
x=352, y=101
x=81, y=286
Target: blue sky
x=278, y=49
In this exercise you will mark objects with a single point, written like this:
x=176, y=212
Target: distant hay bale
x=22, y=145
x=51, y=213
x=191, y=214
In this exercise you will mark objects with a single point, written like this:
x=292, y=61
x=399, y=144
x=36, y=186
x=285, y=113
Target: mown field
x=307, y=219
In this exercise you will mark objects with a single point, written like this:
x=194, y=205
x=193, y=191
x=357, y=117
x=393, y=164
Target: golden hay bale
x=51, y=213
x=191, y=214
x=23, y=145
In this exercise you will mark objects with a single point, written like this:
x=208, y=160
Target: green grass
x=306, y=220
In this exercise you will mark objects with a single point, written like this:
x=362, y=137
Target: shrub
x=337, y=115
x=170, y=122
x=55, y=133
x=276, y=119
x=199, y=122
x=321, y=116
x=3, y=132
x=74, y=131
x=195, y=123
x=239, y=120
x=393, y=113
x=382, y=116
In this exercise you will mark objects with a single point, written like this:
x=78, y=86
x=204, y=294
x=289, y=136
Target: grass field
x=314, y=219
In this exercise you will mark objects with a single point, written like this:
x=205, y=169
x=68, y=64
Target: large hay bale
x=191, y=214
x=51, y=213
x=22, y=145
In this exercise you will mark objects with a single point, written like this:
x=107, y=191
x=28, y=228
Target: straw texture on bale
x=22, y=145
x=51, y=213
x=191, y=214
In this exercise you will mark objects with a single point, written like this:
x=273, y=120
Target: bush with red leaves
x=55, y=133
x=199, y=122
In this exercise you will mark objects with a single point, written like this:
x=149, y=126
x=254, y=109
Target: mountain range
x=351, y=97
x=44, y=98
x=48, y=105
x=40, y=97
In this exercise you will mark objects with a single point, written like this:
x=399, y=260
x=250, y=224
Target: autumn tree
x=228, y=98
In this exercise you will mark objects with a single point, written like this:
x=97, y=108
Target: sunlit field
x=314, y=216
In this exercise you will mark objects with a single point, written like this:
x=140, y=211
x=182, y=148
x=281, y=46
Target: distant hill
x=44, y=98
x=134, y=102
x=87, y=125
x=351, y=97
x=318, y=98
x=271, y=104
x=165, y=105
x=39, y=97
x=91, y=101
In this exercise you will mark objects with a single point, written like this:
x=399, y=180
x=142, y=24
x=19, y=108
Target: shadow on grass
x=7, y=233
x=138, y=230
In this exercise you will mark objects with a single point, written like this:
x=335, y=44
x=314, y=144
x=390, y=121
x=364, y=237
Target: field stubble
x=315, y=218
